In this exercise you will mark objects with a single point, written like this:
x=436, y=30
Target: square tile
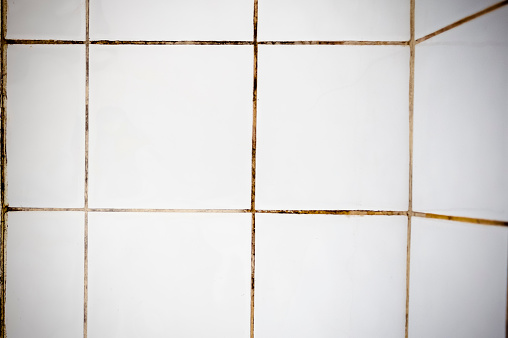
x=48, y=19
x=46, y=125
x=45, y=266
x=332, y=127
x=169, y=275
x=333, y=20
x=458, y=279
x=431, y=15
x=461, y=120
x=330, y=276
x=171, y=20
x=170, y=126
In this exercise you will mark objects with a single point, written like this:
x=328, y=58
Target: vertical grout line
x=410, y=197
x=87, y=72
x=253, y=172
x=3, y=155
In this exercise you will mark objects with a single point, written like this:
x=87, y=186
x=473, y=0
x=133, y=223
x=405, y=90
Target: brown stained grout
x=346, y=42
x=85, y=244
x=253, y=168
x=335, y=212
x=480, y=221
x=463, y=21
x=3, y=156
x=412, y=49
x=210, y=211
x=197, y=42
x=43, y=42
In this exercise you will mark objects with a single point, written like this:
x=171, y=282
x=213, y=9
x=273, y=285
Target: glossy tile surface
x=330, y=276
x=170, y=126
x=461, y=120
x=45, y=125
x=48, y=19
x=332, y=128
x=160, y=275
x=44, y=296
x=333, y=20
x=171, y=20
x=458, y=279
x=431, y=15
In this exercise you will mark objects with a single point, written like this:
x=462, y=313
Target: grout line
x=197, y=42
x=335, y=212
x=183, y=42
x=344, y=42
x=10, y=209
x=462, y=219
x=3, y=174
x=43, y=42
x=412, y=44
x=253, y=168
x=211, y=211
x=85, y=244
x=463, y=21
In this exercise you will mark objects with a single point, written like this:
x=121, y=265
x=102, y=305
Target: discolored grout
x=347, y=42
x=253, y=165
x=335, y=212
x=410, y=183
x=211, y=211
x=3, y=158
x=463, y=21
x=197, y=42
x=481, y=221
x=15, y=209
x=189, y=42
x=43, y=42
x=85, y=244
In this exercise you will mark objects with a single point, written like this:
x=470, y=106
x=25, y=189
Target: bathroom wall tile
x=48, y=19
x=171, y=20
x=458, y=279
x=460, y=120
x=431, y=15
x=44, y=295
x=332, y=127
x=170, y=126
x=333, y=20
x=45, y=125
x=160, y=275
x=330, y=276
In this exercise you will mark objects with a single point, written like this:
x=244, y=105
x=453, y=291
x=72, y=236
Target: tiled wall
x=254, y=168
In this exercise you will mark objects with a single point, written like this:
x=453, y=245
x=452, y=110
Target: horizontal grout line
x=43, y=209
x=171, y=210
x=349, y=43
x=297, y=212
x=196, y=42
x=461, y=219
x=334, y=212
x=462, y=21
x=118, y=42
x=43, y=42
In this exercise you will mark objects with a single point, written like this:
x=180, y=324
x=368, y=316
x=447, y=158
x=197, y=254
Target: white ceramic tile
x=461, y=120
x=48, y=19
x=333, y=20
x=169, y=275
x=332, y=127
x=45, y=125
x=44, y=296
x=330, y=276
x=431, y=15
x=458, y=280
x=171, y=20
x=170, y=126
